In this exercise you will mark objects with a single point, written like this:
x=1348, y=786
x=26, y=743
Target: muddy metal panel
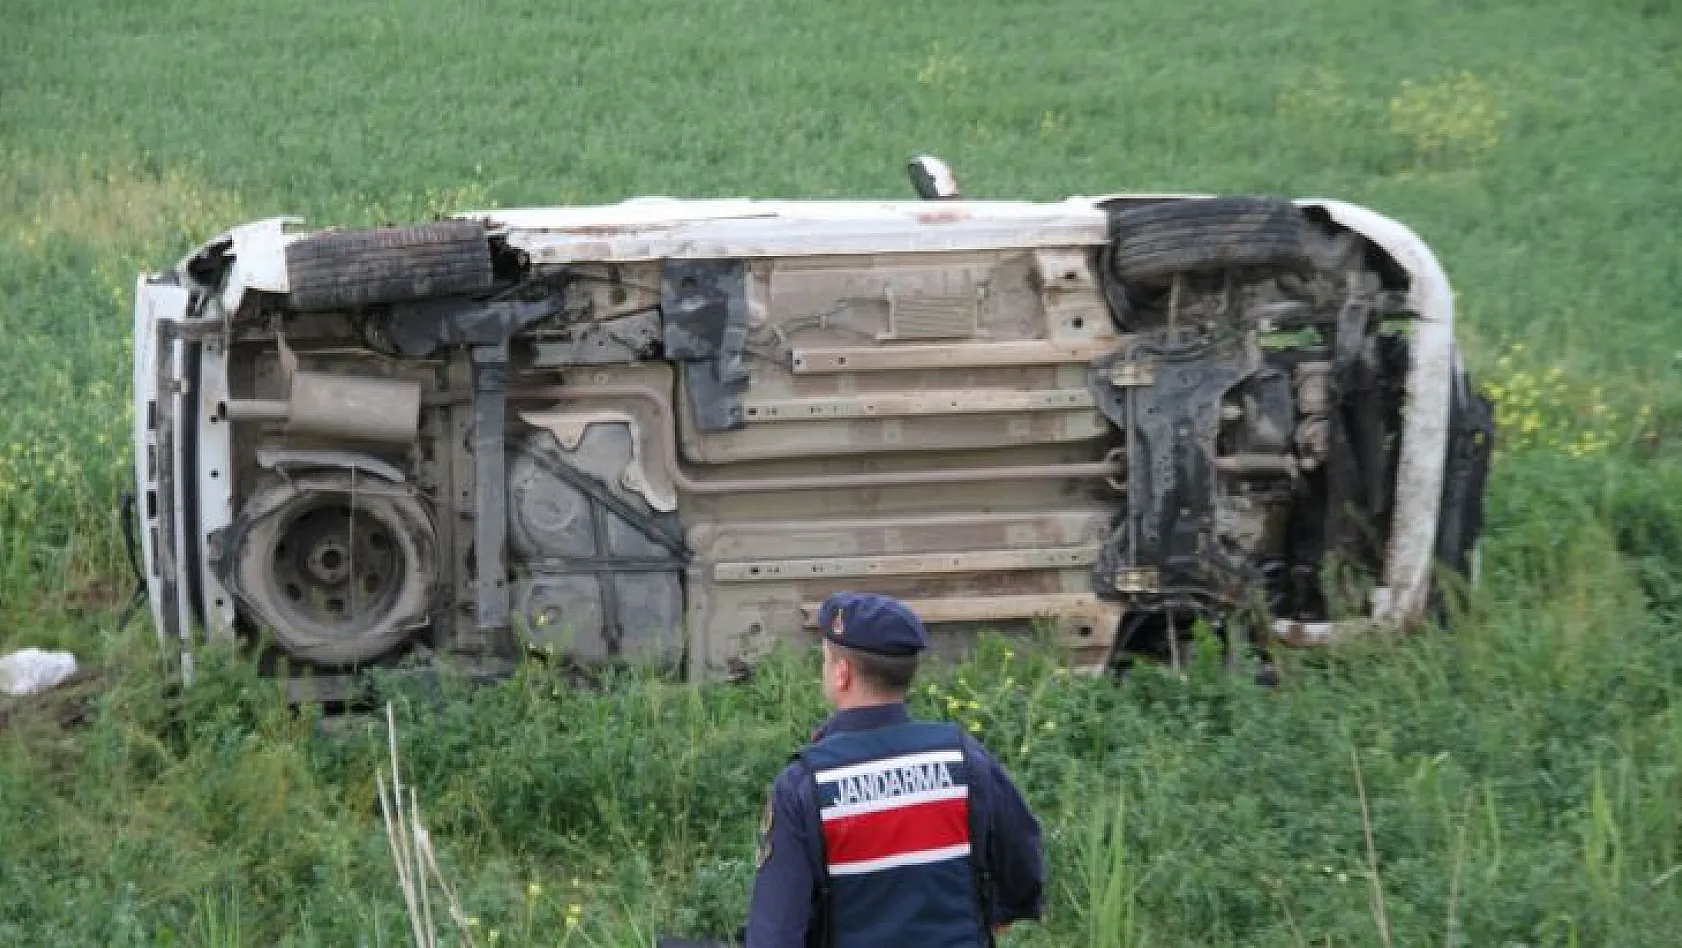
x=812, y=473
x=1001, y=570
x=982, y=426
x=856, y=355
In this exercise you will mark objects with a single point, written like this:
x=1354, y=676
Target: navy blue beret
x=871, y=622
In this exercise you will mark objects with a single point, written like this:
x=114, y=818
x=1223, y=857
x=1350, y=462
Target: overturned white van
x=661, y=431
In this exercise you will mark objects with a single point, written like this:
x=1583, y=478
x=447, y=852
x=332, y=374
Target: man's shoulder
x=975, y=750
x=790, y=780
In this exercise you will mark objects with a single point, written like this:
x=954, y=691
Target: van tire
x=351, y=268
x=1161, y=239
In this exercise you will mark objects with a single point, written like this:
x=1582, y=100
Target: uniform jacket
x=786, y=887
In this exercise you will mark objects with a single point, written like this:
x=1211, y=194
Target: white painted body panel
x=740, y=228
x=1432, y=359
x=259, y=259
x=153, y=305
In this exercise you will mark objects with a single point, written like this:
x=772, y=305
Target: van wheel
x=340, y=571
x=350, y=268
x=1157, y=241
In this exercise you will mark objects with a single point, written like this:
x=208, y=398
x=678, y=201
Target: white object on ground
x=31, y=670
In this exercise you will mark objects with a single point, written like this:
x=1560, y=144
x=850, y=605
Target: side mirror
x=933, y=180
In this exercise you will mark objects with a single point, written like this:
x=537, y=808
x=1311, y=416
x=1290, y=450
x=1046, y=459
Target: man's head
x=871, y=646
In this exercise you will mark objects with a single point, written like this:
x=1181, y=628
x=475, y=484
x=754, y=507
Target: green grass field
x=1522, y=775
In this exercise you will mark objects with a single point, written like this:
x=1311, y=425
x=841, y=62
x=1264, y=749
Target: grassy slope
x=1523, y=775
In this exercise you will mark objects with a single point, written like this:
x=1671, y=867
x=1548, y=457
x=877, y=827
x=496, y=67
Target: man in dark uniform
x=885, y=830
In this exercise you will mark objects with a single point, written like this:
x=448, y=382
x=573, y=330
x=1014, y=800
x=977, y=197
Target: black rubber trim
x=188, y=429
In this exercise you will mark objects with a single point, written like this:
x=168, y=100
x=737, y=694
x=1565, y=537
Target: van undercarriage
x=660, y=432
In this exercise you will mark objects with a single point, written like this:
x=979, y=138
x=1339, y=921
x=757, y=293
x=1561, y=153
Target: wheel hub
x=339, y=572
x=336, y=564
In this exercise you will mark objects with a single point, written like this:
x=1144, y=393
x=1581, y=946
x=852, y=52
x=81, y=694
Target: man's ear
x=843, y=671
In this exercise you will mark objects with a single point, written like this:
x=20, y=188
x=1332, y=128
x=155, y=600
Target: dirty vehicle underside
x=660, y=432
